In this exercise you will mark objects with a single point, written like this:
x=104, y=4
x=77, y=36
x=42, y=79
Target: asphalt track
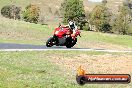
x=28, y=47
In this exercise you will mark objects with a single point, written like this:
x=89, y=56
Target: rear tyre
x=49, y=42
x=68, y=46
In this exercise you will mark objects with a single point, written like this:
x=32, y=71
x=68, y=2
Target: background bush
x=100, y=17
x=11, y=11
x=86, y=27
x=122, y=21
x=31, y=13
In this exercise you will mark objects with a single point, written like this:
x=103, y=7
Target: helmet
x=71, y=24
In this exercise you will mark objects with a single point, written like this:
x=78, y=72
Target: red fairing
x=60, y=31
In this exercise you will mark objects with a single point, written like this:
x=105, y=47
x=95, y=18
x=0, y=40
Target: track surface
x=27, y=47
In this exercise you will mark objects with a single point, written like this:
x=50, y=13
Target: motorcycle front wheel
x=69, y=42
x=74, y=42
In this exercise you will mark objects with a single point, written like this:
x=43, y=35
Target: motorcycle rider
x=72, y=26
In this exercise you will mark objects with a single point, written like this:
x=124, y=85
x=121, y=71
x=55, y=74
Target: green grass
x=21, y=32
x=96, y=37
x=34, y=70
x=20, y=70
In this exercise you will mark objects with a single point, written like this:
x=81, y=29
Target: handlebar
x=80, y=35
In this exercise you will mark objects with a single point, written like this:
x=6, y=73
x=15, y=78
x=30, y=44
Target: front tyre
x=74, y=42
x=69, y=42
x=49, y=42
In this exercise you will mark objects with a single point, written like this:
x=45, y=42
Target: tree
x=104, y=2
x=31, y=14
x=128, y=5
x=50, y=10
x=57, y=13
x=72, y=9
x=121, y=23
x=100, y=17
x=11, y=11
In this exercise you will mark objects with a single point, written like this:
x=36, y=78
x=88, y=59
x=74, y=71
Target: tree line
x=30, y=14
x=100, y=18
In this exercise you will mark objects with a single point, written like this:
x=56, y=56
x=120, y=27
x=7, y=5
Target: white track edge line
x=13, y=50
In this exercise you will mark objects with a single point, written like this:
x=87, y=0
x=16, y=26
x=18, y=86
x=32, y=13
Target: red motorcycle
x=63, y=36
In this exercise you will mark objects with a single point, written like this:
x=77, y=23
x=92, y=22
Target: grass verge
x=40, y=70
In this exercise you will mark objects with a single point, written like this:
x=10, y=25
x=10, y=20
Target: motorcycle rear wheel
x=49, y=42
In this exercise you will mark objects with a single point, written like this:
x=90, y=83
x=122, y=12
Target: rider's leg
x=74, y=33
